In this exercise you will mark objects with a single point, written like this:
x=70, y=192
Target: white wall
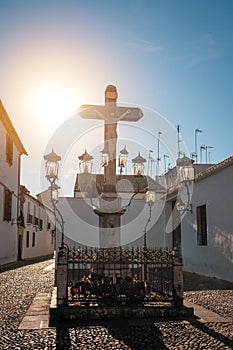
x=82, y=224
x=215, y=259
x=44, y=245
x=9, y=179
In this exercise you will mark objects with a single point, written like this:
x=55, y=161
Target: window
x=48, y=225
x=33, y=239
x=27, y=239
x=41, y=224
x=9, y=150
x=7, y=204
x=201, y=225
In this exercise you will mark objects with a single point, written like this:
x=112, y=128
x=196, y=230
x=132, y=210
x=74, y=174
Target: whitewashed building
x=11, y=150
x=37, y=237
x=207, y=230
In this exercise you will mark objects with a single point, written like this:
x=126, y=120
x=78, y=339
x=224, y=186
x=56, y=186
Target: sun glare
x=54, y=103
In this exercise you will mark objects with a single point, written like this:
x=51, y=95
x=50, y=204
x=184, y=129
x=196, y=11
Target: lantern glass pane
x=85, y=167
x=138, y=169
x=150, y=197
x=52, y=169
x=122, y=160
x=54, y=195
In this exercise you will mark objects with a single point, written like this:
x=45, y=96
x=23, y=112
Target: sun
x=53, y=102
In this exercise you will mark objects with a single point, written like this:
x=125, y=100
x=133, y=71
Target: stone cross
x=111, y=114
x=110, y=205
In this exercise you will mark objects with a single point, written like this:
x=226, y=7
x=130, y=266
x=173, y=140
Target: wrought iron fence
x=116, y=275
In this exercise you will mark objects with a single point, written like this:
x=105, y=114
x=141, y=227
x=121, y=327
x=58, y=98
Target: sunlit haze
x=174, y=57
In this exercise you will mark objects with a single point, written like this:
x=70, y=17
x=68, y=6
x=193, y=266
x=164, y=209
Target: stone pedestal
x=178, y=281
x=109, y=213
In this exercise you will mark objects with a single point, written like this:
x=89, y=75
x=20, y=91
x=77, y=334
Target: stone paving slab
x=205, y=315
x=37, y=316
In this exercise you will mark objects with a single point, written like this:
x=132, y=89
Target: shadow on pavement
x=218, y=336
x=21, y=263
x=136, y=334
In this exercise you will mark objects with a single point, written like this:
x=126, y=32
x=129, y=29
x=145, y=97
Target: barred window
x=201, y=225
x=7, y=204
x=9, y=150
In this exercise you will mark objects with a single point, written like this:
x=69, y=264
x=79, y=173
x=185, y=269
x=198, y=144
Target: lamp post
x=51, y=167
x=185, y=177
x=150, y=199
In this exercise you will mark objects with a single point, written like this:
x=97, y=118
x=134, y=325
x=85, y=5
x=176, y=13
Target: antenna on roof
x=150, y=162
x=158, y=157
x=206, y=150
x=165, y=163
x=178, y=140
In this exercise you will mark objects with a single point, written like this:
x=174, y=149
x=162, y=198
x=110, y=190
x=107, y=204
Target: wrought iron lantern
x=185, y=177
x=52, y=166
x=185, y=170
x=138, y=165
x=85, y=164
x=123, y=159
x=150, y=197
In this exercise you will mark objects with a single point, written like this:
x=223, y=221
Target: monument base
x=74, y=312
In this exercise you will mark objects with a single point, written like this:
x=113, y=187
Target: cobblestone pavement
x=19, y=286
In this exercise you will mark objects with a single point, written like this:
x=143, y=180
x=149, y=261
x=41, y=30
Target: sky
x=172, y=58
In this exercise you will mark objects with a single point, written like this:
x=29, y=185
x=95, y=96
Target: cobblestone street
x=19, y=285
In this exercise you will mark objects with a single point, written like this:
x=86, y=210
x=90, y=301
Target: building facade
x=206, y=230
x=37, y=237
x=11, y=151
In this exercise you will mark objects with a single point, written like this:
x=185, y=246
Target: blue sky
x=174, y=57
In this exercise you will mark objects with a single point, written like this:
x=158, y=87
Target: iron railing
x=119, y=275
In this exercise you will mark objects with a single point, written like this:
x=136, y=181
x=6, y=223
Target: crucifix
x=110, y=209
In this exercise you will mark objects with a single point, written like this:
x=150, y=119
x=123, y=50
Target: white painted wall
x=82, y=225
x=9, y=179
x=44, y=243
x=215, y=259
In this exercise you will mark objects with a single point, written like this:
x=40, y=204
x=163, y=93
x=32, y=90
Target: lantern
x=85, y=164
x=138, y=165
x=52, y=165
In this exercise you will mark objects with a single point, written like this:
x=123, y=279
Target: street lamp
x=185, y=177
x=123, y=159
x=150, y=199
x=51, y=167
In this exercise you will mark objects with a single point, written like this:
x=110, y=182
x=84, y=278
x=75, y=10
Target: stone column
x=177, y=259
x=62, y=276
x=178, y=285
